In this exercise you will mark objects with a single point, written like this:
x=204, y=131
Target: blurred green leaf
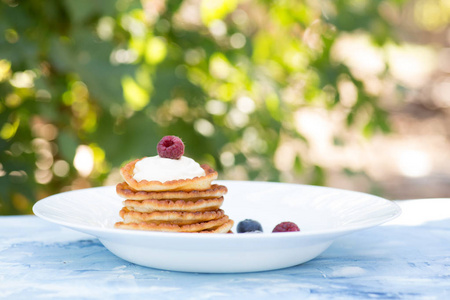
x=67, y=144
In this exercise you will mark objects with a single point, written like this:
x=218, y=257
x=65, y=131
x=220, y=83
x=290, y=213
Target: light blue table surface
x=409, y=258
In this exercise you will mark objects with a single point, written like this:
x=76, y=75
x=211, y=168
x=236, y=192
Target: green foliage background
x=225, y=76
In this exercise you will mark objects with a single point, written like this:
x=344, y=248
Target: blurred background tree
x=259, y=89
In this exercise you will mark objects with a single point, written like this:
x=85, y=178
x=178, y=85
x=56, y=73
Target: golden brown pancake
x=197, y=183
x=172, y=217
x=151, y=205
x=185, y=205
x=225, y=228
x=215, y=191
x=168, y=227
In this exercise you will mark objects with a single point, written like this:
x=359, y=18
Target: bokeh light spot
x=84, y=160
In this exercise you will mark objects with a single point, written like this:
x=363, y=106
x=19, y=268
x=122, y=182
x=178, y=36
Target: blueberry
x=249, y=226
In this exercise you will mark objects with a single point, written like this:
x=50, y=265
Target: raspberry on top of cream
x=156, y=168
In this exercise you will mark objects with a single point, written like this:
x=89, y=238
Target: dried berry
x=249, y=226
x=285, y=227
x=170, y=147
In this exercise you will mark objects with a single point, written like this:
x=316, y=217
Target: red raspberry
x=285, y=227
x=170, y=147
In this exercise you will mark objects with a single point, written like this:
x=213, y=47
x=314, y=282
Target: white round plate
x=323, y=214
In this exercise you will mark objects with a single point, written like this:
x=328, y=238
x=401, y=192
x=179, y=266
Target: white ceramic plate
x=323, y=214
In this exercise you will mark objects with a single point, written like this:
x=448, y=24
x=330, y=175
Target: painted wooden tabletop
x=408, y=258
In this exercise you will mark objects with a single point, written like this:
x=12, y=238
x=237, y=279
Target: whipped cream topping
x=156, y=168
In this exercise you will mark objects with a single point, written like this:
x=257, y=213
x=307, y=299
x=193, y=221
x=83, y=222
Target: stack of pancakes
x=186, y=205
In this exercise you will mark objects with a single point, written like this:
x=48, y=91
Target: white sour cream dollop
x=156, y=168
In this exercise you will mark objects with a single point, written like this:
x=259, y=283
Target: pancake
x=179, y=205
x=172, y=217
x=168, y=227
x=196, y=183
x=151, y=205
x=125, y=191
x=225, y=228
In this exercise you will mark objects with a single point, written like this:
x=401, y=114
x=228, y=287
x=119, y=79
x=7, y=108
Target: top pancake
x=197, y=183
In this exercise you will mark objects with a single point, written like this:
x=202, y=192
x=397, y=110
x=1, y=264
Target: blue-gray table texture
x=408, y=258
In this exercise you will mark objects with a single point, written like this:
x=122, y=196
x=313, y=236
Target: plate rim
x=339, y=231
